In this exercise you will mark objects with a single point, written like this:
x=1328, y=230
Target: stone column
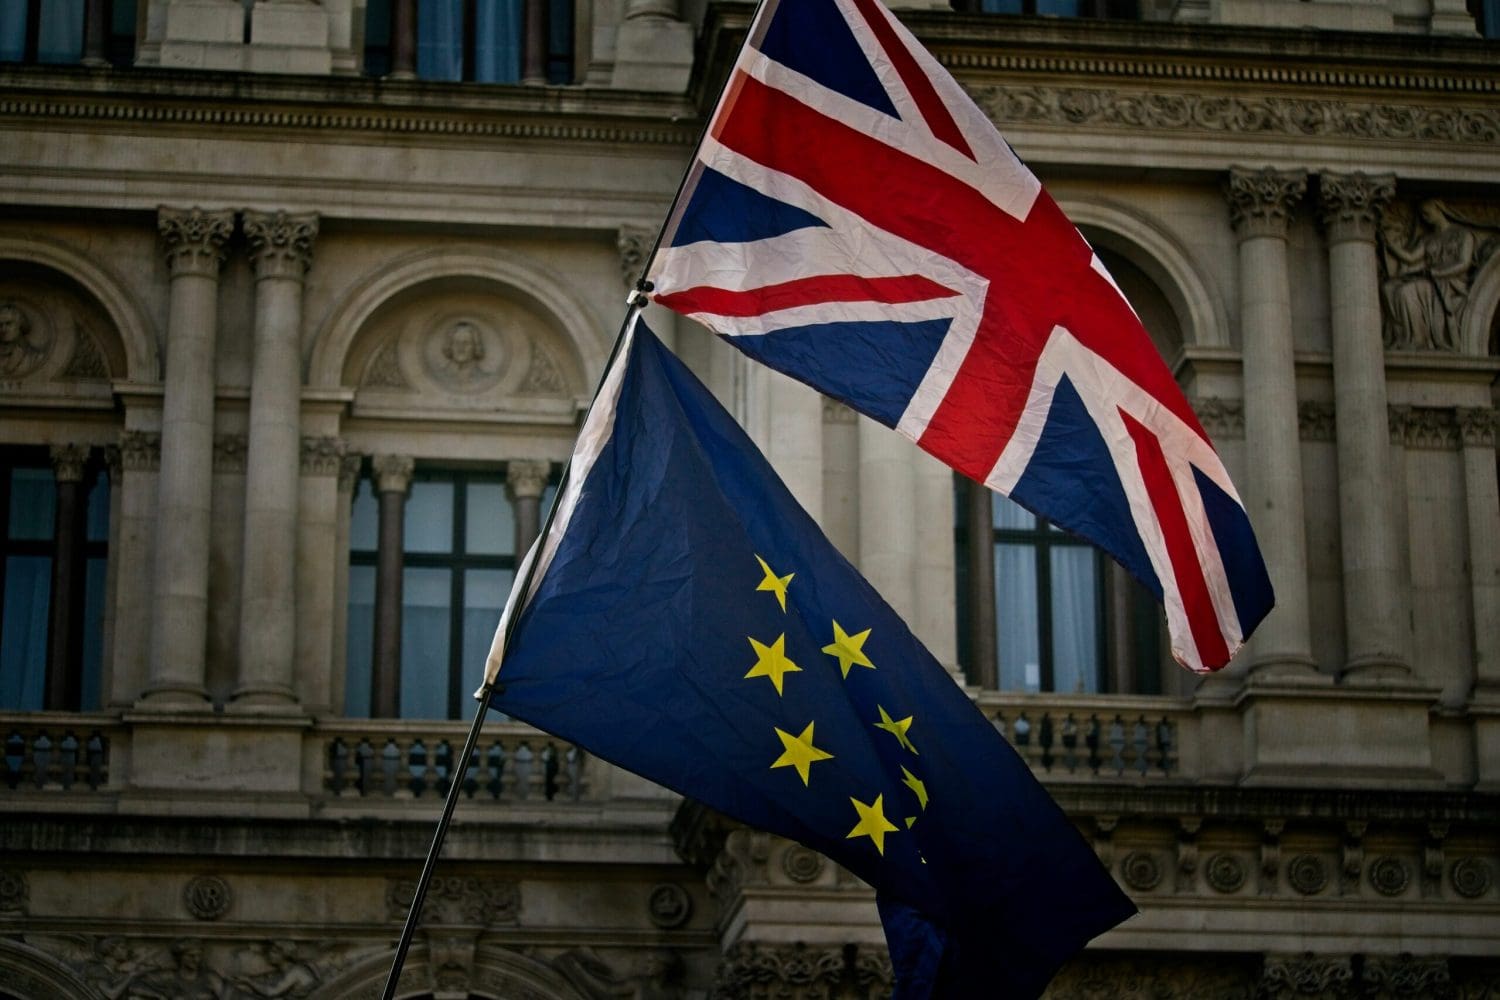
x=179, y=615
x=319, y=556
x=132, y=546
x=979, y=520
x=1260, y=204
x=392, y=480
x=1375, y=622
x=403, y=39
x=1478, y=428
x=931, y=533
x=64, y=625
x=653, y=50
x=794, y=438
x=94, y=32
x=887, y=513
x=534, y=44
x=349, y=469
x=525, y=482
x=280, y=252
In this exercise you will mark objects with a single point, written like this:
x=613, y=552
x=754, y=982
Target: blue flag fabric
x=689, y=622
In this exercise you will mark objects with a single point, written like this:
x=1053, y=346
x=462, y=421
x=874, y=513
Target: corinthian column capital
x=1260, y=201
x=194, y=239
x=1352, y=203
x=280, y=244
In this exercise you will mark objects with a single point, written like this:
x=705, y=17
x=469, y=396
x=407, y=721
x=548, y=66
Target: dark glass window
x=1113, y=9
x=482, y=41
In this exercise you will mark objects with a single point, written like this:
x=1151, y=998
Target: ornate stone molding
x=392, y=473
x=1225, y=872
x=114, y=464
x=322, y=456
x=140, y=450
x=86, y=362
x=1315, y=420
x=669, y=906
x=1261, y=201
x=752, y=971
x=633, y=243
x=1222, y=418
x=1477, y=425
x=1423, y=427
x=1471, y=877
x=1092, y=976
x=207, y=897
x=1351, y=204
x=1307, y=874
x=15, y=891
x=68, y=462
x=474, y=902
x=280, y=244
x=1071, y=107
x=1306, y=977
x=526, y=478
x=1387, y=977
x=1389, y=875
x=349, y=467
x=194, y=239
x=1141, y=871
x=229, y=452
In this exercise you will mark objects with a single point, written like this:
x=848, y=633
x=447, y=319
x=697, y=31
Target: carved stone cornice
x=1260, y=201
x=526, y=479
x=1307, y=976
x=1315, y=420
x=140, y=450
x=229, y=452
x=194, y=239
x=1351, y=204
x=68, y=461
x=1222, y=418
x=752, y=971
x=392, y=473
x=1426, y=427
x=473, y=902
x=280, y=244
x=633, y=243
x=322, y=456
x=1477, y=425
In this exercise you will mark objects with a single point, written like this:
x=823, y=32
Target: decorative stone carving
x=183, y=972
x=349, y=468
x=392, y=472
x=194, y=239
x=1426, y=427
x=633, y=243
x=384, y=371
x=322, y=456
x=1428, y=259
x=1315, y=420
x=1260, y=201
x=1352, y=204
x=1470, y=877
x=68, y=462
x=465, y=355
x=1140, y=870
x=114, y=463
x=753, y=971
x=1091, y=976
x=229, y=452
x=15, y=892
x=802, y=864
x=1225, y=872
x=207, y=897
x=482, y=902
x=1222, y=418
x=280, y=244
x=286, y=969
x=1307, y=874
x=1389, y=977
x=140, y=450
x=87, y=361
x=1251, y=114
x=1477, y=425
x=1352, y=857
x=1389, y=875
x=1270, y=856
x=526, y=479
x=450, y=961
x=1187, y=853
x=26, y=341
x=1306, y=977
x=1432, y=860
x=655, y=974
x=669, y=906
x=544, y=376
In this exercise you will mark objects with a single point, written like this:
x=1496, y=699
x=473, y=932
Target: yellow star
x=800, y=752
x=915, y=784
x=848, y=649
x=771, y=661
x=872, y=822
x=895, y=727
x=776, y=584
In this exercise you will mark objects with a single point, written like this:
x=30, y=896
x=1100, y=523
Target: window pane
x=429, y=517
x=560, y=42
x=33, y=504
x=1011, y=515
x=364, y=520
x=97, y=527
x=378, y=37
x=93, y=634
x=1016, y=618
x=12, y=30
x=359, y=642
x=1058, y=8
x=490, y=524
x=497, y=41
x=425, y=619
x=485, y=591
x=23, y=634
x=1075, y=619
x=60, y=35
x=1001, y=6
x=440, y=39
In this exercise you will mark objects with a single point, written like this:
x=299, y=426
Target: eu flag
x=690, y=622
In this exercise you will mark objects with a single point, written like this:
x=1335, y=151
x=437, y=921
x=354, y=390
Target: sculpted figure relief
x=1429, y=263
x=463, y=354
x=22, y=347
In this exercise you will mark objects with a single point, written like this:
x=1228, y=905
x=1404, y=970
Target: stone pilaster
x=1477, y=429
x=392, y=481
x=1375, y=615
x=887, y=506
x=318, y=657
x=194, y=243
x=280, y=254
x=1260, y=206
x=654, y=49
x=525, y=482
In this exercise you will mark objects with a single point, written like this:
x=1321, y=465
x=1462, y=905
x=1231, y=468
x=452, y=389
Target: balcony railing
x=1093, y=737
x=56, y=752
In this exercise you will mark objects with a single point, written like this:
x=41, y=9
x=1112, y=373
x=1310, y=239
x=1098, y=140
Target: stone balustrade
x=1093, y=737
x=55, y=753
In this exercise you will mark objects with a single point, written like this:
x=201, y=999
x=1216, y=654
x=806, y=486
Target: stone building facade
x=300, y=303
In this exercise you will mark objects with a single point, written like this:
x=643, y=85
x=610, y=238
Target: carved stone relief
x=752, y=971
x=207, y=897
x=481, y=902
x=14, y=891
x=1430, y=254
x=46, y=338
x=669, y=906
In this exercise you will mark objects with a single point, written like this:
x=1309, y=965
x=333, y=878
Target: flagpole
x=635, y=303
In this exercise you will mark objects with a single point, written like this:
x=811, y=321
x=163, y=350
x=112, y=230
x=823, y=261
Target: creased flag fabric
x=688, y=621
x=853, y=220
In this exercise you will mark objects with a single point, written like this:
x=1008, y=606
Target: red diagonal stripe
x=1161, y=489
x=804, y=292
x=918, y=84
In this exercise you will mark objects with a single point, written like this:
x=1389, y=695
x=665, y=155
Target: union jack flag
x=853, y=220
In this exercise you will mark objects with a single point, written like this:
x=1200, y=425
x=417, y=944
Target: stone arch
x=30, y=974
x=493, y=974
x=1201, y=314
x=1482, y=313
x=519, y=278
x=133, y=354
